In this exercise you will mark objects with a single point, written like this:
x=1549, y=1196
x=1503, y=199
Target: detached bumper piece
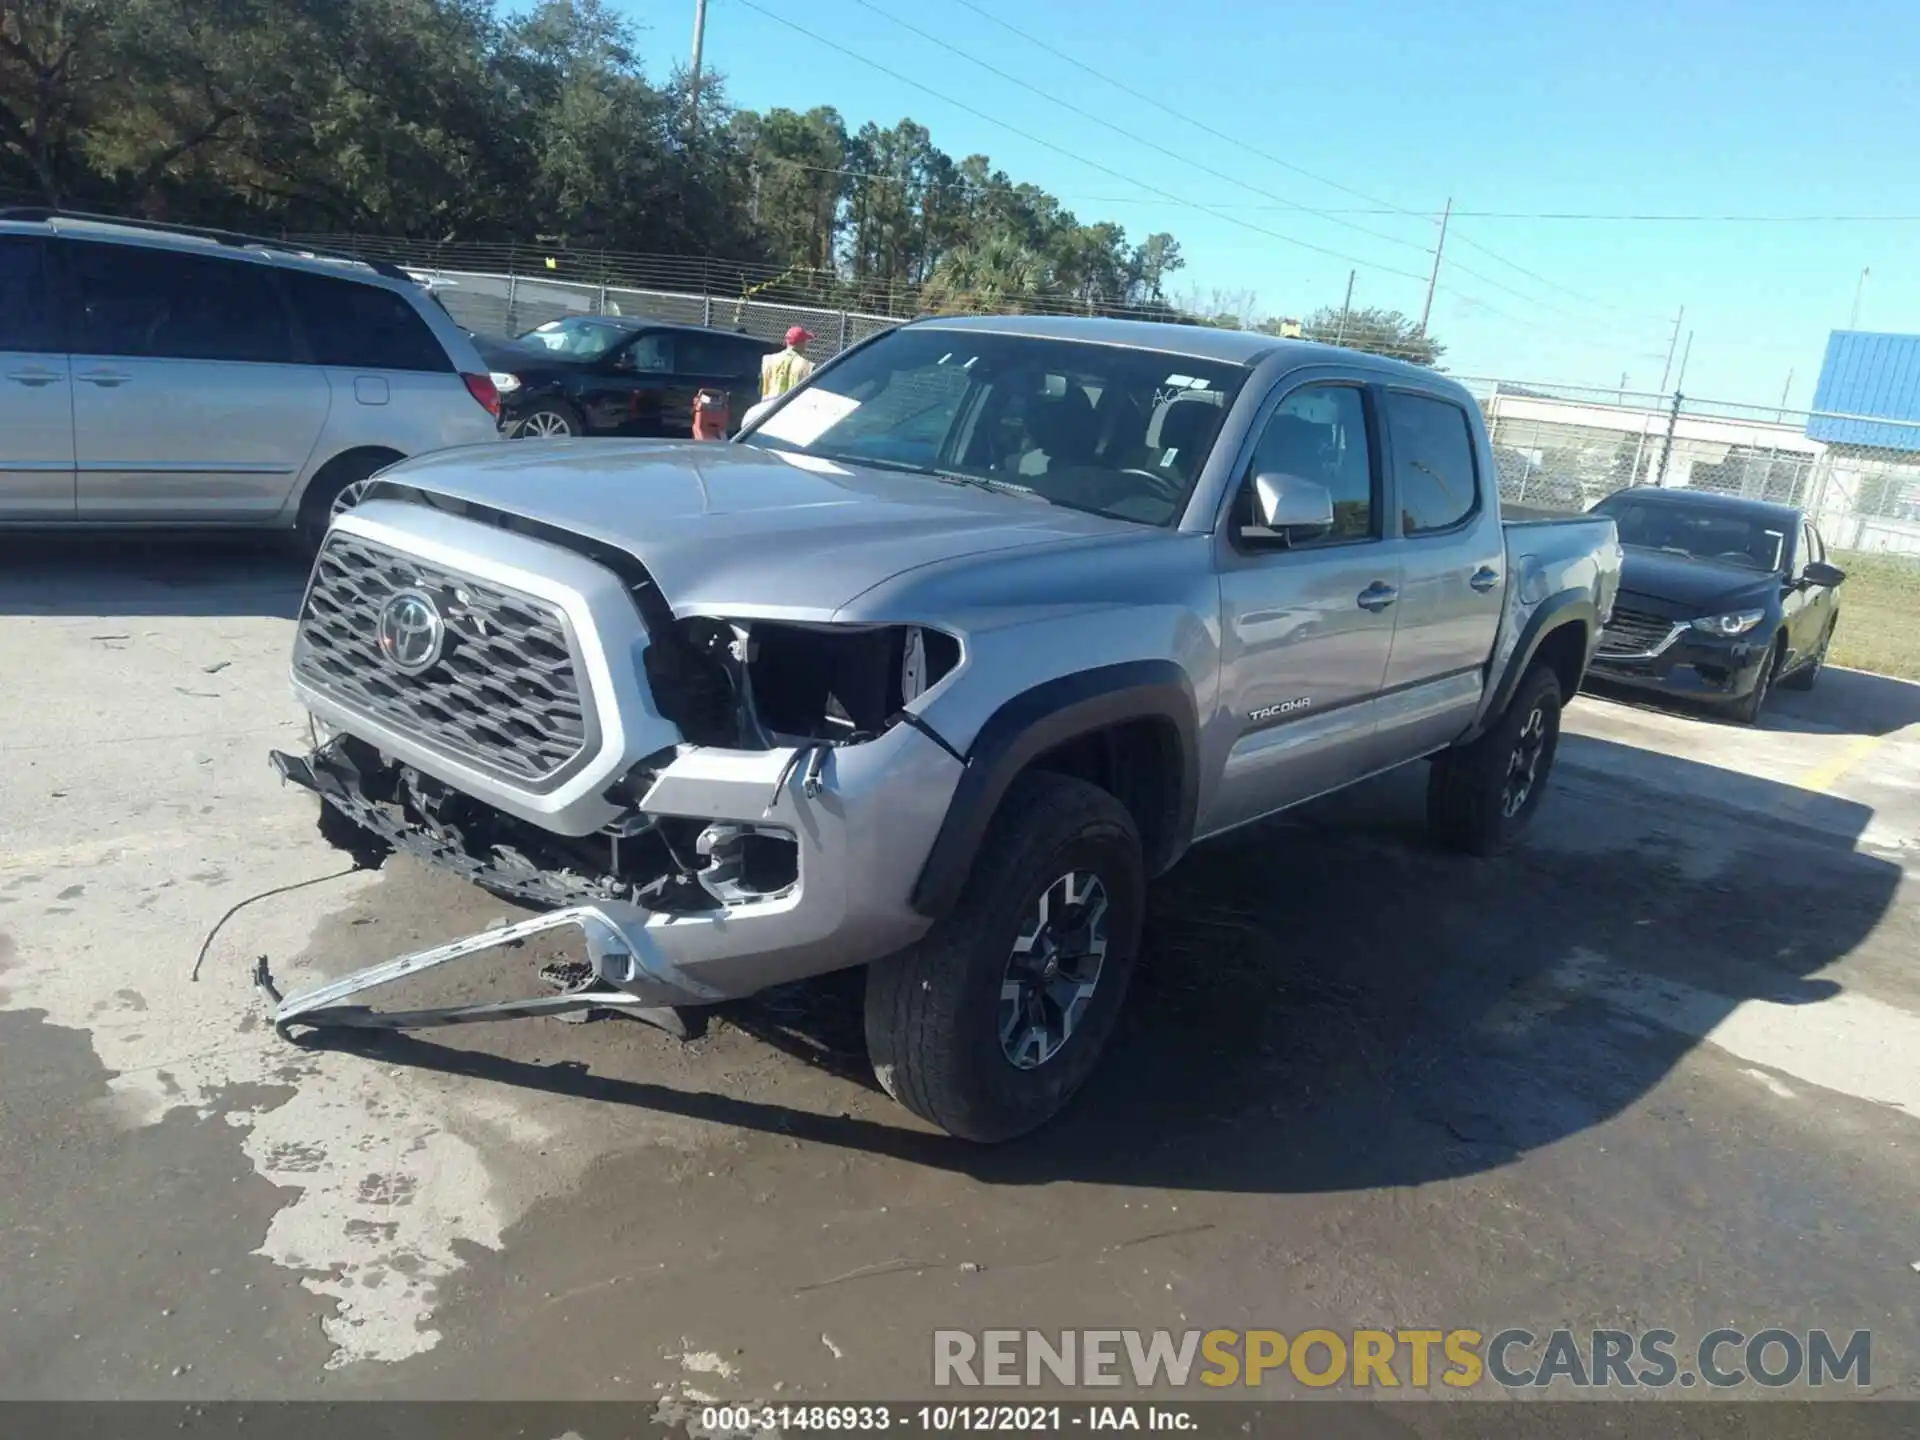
x=607, y=949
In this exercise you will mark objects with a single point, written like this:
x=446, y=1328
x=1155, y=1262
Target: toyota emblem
x=412, y=632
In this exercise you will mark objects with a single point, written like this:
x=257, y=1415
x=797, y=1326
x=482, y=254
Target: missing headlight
x=842, y=683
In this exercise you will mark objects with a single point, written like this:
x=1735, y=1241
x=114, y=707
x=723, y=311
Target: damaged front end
x=721, y=804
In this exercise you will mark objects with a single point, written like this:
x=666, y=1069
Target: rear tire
x=334, y=489
x=981, y=1026
x=1481, y=796
x=550, y=420
x=1808, y=675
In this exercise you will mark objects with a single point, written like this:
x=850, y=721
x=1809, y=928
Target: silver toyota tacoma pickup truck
x=931, y=670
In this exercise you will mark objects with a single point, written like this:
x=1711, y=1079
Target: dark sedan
x=618, y=375
x=1720, y=598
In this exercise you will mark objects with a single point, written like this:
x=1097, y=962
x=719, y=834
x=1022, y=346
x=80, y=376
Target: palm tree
x=998, y=273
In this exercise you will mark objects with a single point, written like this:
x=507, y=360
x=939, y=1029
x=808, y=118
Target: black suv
x=1720, y=597
x=618, y=375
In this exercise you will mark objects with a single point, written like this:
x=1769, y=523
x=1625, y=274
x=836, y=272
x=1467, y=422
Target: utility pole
x=1672, y=344
x=1782, y=412
x=693, y=67
x=1681, y=379
x=1434, y=279
x=1340, y=338
x=1853, y=321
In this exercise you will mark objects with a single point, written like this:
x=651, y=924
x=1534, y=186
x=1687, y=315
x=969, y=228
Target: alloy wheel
x=544, y=425
x=1053, y=970
x=1523, y=764
x=349, y=496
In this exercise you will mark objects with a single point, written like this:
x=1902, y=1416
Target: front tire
x=1748, y=707
x=337, y=487
x=1481, y=796
x=990, y=1023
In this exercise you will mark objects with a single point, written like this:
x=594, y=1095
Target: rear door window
x=720, y=355
x=653, y=353
x=1432, y=446
x=148, y=303
x=361, y=327
x=28, y=319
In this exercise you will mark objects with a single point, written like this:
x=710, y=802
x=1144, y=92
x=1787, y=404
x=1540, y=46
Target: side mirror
x=1293, y=508
x=1822, y=574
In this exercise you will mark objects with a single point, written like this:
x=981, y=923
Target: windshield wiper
x=998, y=487
x=949, y=477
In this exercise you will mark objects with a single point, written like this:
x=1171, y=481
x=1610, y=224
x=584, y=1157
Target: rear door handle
x=1377, y=596
x=1484, y=579
x=33, y=377
x=107, y=378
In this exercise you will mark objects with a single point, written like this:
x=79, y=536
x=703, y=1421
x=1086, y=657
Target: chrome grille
x=1633, y=632
x=504, y=695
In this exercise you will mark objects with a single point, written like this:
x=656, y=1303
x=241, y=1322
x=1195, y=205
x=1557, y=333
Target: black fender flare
x=1038, y=720
x=1553, y=612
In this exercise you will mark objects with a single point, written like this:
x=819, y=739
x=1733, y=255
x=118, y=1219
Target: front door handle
x=1484, y=579
x=1377, y=596
x=106, y=378
x=33, y=377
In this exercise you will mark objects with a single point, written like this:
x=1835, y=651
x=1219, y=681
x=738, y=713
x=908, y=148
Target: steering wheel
x=1165, y=487
x=1738, y=557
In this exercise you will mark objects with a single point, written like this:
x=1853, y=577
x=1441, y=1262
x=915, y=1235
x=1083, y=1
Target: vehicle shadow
x=156, y=575
x=1844, y=702
x=1329, y=1002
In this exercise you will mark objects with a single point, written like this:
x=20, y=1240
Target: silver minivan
x=151, y=375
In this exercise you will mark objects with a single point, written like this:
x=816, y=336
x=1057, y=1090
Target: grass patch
x=1879, y=614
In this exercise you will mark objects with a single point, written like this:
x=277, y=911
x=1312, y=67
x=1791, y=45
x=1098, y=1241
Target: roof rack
x=204, y=232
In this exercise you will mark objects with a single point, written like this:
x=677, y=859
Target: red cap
x=798, y=335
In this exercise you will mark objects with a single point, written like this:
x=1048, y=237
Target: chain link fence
x=1559, y=448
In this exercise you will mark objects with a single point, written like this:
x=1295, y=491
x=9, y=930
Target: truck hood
x=735, y=529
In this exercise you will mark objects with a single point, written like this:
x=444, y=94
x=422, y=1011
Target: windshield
x=1699, y=532
x=1103, y=428
x=579, y=339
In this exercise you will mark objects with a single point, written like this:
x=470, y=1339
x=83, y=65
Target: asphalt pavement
x=1658, y=1069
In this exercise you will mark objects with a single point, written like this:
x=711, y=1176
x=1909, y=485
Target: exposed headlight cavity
x=764, y=683
x=504, y=382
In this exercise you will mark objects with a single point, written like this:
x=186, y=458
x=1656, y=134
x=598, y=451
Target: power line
x=1619, y=217
x=1469, y=241
x=1203, y=127
x=1471, y=300
x=1033, y=139
x=1161, y=105
x=1154, y=145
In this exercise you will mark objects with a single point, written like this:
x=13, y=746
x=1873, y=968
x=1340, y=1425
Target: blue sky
x=1688, y=108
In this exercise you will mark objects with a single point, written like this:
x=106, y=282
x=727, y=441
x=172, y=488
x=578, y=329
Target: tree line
x=452, y=120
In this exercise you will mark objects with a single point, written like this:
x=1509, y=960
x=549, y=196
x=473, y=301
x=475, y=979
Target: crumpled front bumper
x=862, y=835
x=1694, y=664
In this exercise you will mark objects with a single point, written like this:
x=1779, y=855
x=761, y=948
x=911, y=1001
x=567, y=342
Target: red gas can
x=712, y=415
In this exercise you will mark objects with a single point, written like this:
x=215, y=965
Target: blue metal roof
x=1868, y=377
